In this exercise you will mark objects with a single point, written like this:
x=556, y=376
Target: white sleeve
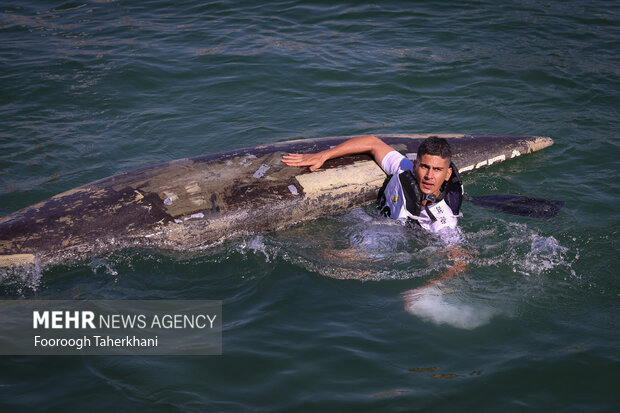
x=391, y=162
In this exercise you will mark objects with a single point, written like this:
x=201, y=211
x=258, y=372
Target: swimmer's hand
x=361, y=144
x=411, y=296
x=313, y=160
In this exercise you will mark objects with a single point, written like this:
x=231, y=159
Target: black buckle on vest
x=429, y=198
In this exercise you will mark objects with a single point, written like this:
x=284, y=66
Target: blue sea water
x=314, y=318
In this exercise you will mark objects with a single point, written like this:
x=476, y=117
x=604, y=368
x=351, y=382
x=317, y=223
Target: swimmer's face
x=431, y=172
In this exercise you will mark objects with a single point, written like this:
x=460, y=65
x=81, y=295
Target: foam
x=98, y=263
x=19, y=279
x=545, y=254
x=430, y=304
x=257, y=245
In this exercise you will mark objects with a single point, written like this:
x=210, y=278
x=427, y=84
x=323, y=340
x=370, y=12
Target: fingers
x=410, y=296
x=294, y=159
x=302, y=159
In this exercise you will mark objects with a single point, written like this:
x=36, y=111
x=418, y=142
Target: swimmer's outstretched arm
x=361, y=144
x=460, y=259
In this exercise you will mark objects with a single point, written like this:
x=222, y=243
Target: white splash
x=430, y=304
x=97, y=263
x=21, y=278
x=545, y=254
x=256, y=245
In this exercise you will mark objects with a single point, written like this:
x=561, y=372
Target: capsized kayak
x=195, y=202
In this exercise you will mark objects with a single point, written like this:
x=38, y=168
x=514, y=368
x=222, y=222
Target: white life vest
x=401, y=199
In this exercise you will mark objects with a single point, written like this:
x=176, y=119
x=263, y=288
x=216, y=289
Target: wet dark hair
x=434, y=145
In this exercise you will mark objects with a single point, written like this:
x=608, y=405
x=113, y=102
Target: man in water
x=427, y=191
x=421, y=191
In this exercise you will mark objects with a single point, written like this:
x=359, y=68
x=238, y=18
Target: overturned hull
x=195, y=202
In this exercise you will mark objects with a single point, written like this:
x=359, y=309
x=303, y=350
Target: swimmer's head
x=434, y=145
x=432, y=165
